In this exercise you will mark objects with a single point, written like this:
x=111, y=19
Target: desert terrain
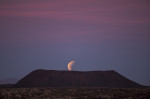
x=75, y=93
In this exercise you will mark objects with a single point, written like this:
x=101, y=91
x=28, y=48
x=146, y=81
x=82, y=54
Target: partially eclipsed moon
x=70, y=64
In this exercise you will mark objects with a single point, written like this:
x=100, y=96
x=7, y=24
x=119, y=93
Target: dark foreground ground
x=74, y=93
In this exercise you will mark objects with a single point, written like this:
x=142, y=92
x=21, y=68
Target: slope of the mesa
x=53, y=78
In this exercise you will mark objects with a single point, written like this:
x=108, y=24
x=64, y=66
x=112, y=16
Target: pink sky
x=111, y=15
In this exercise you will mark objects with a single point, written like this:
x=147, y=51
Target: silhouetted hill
x=53, y=78
x=7, y=85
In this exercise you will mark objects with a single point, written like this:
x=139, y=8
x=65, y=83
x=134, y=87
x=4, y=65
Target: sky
x=97, y=34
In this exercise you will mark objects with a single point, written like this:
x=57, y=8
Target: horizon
x=97, y=34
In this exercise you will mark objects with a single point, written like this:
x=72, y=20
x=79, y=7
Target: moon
x=70, y=64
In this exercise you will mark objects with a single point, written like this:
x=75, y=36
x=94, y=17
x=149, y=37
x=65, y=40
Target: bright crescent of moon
x=70, y=64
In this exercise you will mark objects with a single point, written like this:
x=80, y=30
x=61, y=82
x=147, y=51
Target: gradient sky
x=97, y=34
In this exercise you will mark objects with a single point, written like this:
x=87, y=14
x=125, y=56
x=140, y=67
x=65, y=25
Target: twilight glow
x=98, y=34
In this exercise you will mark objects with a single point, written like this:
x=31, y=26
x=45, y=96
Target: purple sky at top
x=97, y=34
